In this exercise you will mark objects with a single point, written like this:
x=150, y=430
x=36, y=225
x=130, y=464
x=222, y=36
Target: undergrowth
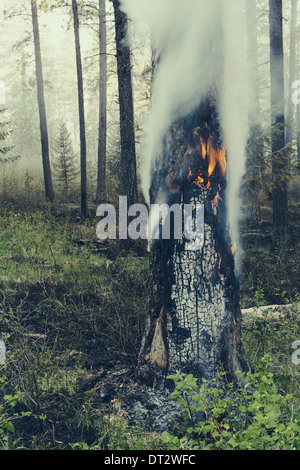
x=254, y=416
x=71, y=305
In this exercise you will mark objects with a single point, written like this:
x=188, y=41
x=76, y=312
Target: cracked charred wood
x=194, y=312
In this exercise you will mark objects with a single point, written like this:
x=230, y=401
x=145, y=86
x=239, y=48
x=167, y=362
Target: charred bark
x=194, y=313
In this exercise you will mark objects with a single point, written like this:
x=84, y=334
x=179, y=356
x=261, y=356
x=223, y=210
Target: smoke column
x=199, y=43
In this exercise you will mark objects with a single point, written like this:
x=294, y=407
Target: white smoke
x=236, y=101
x=200, y=43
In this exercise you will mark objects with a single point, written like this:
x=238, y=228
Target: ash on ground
x=151, y=407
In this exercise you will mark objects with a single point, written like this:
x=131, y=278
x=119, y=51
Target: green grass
x=66, y=307
x=84, y=306
x=37, y=247
x=69, y=287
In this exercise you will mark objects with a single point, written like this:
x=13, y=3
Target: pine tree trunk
x=194, y=312
x=127, y=131
x=41, y=104
x=101, y=179
x=81, y=111
x=280, y=161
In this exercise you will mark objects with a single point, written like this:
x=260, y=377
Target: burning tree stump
x=194, y=313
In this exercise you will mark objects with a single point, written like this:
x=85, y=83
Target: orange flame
x=219, y=264
x=217, y=198
x=203, y=145
x=199, y=179
x=215, y=157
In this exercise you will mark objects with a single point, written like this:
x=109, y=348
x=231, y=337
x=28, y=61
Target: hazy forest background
x=71, y=304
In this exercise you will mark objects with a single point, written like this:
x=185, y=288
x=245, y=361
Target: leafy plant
x=7, y=415
x=253, y=417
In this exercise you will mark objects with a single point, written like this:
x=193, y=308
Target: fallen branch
x=275, y=313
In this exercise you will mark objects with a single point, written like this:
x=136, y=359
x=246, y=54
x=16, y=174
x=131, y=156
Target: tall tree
x=83, y=173
x=280, y=160
x=127, y=130
x=41, y=104
x=292, y=73
x=101, y=178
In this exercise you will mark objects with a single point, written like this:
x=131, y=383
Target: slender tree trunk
x=292, y=73
x=280, y=160
x=127, y=131
x=81, y=111
x=41, y=104
x=101, y=179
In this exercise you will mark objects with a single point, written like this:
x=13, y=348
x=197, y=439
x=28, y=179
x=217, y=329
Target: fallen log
x=275, y=313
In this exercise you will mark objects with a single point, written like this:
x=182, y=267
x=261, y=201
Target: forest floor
x=72, y=306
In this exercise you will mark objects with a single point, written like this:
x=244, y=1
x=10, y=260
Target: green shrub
x=254, y=416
